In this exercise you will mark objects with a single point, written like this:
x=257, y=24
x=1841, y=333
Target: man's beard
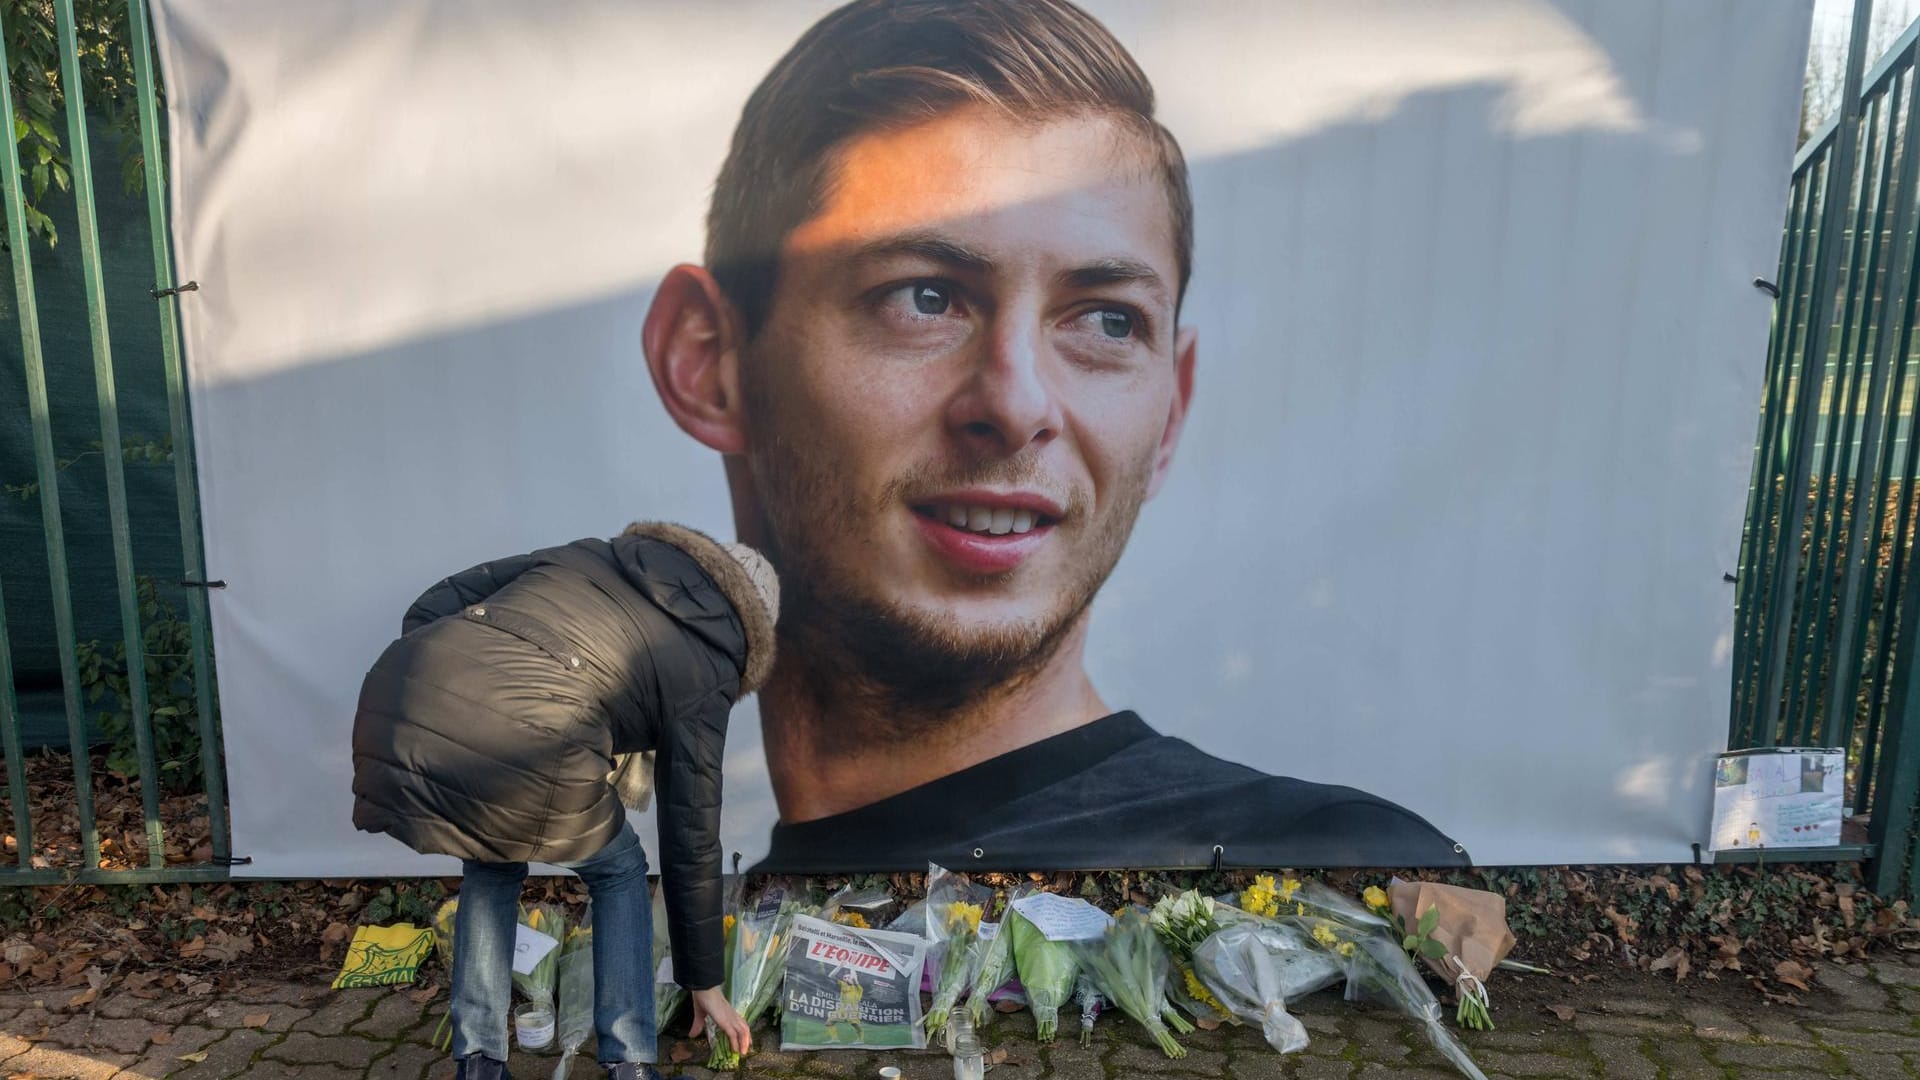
x=908, y=672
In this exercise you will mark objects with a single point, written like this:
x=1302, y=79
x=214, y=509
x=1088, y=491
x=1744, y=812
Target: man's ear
x=691, y=339
x=1185, y=347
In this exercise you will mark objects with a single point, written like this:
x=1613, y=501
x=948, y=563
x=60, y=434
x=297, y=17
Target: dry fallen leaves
x=256, y=1020
x=1564, y=1012
x=1793, y=973
x=1674, y=959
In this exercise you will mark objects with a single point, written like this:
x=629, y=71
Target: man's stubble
x=873, y=668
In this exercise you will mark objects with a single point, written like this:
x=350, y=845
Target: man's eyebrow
x=1115, y=270
x=926, y=246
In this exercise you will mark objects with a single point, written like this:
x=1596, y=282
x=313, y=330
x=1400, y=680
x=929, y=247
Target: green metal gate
x=1828, y=600
x=56, y=59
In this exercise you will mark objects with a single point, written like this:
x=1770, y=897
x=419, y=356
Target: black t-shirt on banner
x=1110, y=794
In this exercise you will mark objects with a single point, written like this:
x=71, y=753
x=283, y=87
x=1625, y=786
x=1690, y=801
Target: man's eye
x=1115, y=324
x=931, y=299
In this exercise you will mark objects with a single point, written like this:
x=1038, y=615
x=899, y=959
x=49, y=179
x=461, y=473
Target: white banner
x=1476, y=372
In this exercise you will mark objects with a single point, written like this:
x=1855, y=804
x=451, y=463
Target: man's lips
x=985, y=532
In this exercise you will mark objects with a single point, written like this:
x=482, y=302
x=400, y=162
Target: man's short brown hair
x=875, y=63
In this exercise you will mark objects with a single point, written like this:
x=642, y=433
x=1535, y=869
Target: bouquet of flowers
x=1378, y=967
x=1462, y=935
x=538, y=984
x=996, y=963
x=574, y=1022
x=755, y=957
x=1182, y=922
x=954, y=907
x=668, y=995
x=1046, y=969
x=1253, y=966
x=858, y=908
x=1128, y=965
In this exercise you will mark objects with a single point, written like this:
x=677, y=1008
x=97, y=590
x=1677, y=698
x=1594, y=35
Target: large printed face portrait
x=938, y=340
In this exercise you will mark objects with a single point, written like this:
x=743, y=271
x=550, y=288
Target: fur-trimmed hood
x=753, y=590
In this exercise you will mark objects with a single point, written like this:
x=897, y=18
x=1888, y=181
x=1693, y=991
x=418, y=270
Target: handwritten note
x=1063, y=918
x=530, y=946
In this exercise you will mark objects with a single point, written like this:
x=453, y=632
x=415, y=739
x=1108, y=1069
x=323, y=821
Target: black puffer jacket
x=490, y=729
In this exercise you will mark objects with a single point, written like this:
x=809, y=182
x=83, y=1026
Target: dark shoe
x=633, y=1070
x=480, y=1067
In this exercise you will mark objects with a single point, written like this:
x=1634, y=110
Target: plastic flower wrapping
x=1128, y=966
x=954, y=909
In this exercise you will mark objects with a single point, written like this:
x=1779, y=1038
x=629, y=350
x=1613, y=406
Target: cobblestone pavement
x=1863, y=1021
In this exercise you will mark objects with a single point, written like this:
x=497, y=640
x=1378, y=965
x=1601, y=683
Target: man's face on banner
x=968, y=383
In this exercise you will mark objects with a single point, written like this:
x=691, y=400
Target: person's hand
x=712, y=1005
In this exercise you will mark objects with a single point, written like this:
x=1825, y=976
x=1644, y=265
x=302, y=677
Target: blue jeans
x=483, y=928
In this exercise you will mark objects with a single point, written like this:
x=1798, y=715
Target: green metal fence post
x=103, y=380
x=1891, y=827
x=1882, y=400
x=1826, y=267
x=186, y=489
x=46, y=475
x=1757, y=536
x=1831, y=506
x=16, y=765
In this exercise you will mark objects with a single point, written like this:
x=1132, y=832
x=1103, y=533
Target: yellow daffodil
x=1324, y=935
x=1345, y=949
x=1260, y=897
x=1199, y=992
x=851, y=918
x=726, y=924
x=1376, y=897
x=965, y=914
x=1287, y=888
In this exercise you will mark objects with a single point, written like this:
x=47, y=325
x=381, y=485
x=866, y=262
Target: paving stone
x=1675, y=1055
x=394, y=1014
x=1711, y=1022
x=46, y=1062
x=318, y=1072
x=234, y=1014
x=1894, y=974
x=1757, y=1056
x=1622, y=1057
x=1638, y=1007
x=1322, y=1069
x=1878, y=1066
x=1319, y=1023
x=1859, y=992
x=1617, y=1024
x=1377, y=1041
x=127, y=1036
x=280, y=993
x=1078, y=1066
x=1779, y=1026
x=1514, y=1064
x=411, y=1062
x=842, y=1063
x=1327, y=1045
x=1891, y=1042
x=175, y=1010
x=231, y=1056
x=335, y=1015
x=33, y=1023
x=12, y=1046
x=305, y=1046
x=1377, y=1071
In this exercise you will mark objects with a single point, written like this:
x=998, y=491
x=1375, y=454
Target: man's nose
x=1006, y=404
